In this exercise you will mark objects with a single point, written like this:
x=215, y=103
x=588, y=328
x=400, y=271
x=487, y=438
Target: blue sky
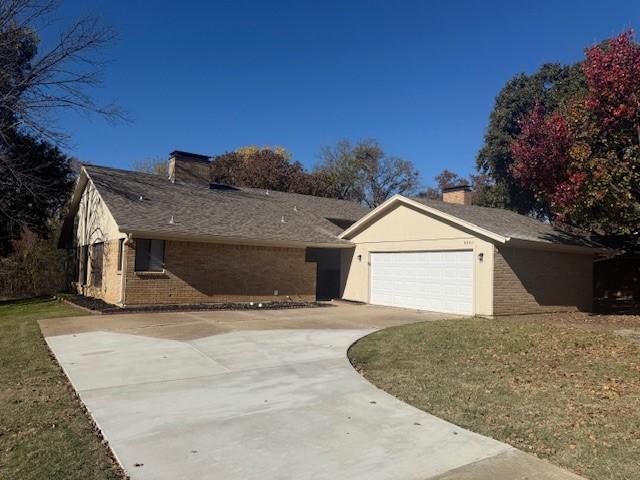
x=420, y=77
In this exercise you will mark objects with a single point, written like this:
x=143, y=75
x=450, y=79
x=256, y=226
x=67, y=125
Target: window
x=83, y=261
x=120, y=254
x=149, y=255
x=97, y=259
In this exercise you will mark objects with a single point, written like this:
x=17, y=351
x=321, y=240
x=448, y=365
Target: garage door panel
x=439, y=281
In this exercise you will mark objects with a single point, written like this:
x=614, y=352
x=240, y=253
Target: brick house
x=136, y=238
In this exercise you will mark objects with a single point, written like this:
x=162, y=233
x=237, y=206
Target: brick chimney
x=189, y=168
x=460, y=194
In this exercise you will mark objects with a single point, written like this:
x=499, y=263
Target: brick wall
x=462, y=197
x=537, y=281
x=190, y=171
x=210, y=273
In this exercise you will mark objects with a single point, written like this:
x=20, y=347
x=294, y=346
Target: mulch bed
x=100, y=306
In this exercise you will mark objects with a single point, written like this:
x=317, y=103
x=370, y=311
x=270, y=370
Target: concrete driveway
x=263, y=395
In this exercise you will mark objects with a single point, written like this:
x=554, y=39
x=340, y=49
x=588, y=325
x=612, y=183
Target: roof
x=147, y=204
x=498, y=224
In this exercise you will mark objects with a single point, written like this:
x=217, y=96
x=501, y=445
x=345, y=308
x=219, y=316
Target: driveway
x=263, y=395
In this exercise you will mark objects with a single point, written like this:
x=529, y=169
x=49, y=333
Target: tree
x=262, y=167
x=35, y=181
x=551, y=87
x=365, y=173
x=251, y=150
x=612, y=71
x=582, y=159
x=343, y=170
x=447, y=179
x=36, y=82
x=444, y=179
x=542, y=153
x=35, y=177
x=155, y=165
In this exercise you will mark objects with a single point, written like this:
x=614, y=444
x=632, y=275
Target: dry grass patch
x=566, y=388
x=44, y=433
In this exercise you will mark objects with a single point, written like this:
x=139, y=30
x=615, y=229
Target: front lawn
x=44, y=434
x=566, y=388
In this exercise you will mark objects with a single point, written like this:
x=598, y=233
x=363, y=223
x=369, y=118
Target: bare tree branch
x=35, y=84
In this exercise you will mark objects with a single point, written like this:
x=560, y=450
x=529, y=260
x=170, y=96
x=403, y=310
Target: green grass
x=565, y=390
x=44, y=433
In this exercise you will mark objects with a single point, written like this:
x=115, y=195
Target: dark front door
x=328, y=262
x=327, y=284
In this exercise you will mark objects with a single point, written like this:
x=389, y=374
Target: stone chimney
x=189, y=168
x=460, y=194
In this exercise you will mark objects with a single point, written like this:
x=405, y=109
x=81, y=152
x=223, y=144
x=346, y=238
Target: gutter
x=160, y=235
x=558, y=247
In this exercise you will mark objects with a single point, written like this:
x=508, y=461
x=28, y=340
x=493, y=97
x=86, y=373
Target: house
x=135, y=238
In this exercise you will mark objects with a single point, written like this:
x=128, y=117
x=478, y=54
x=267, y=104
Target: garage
x=459, y=258
x=439, y=281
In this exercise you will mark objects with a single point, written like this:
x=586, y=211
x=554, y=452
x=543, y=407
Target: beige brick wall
x=461, y=197
x=190, y=171
x=111, y=278
x=537, y=281
x=210, y=273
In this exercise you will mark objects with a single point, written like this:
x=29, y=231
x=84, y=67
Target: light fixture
x=480, y=256
x=359, y=257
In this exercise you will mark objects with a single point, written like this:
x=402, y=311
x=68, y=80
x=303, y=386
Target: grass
x=44, y=433
x=564, y=388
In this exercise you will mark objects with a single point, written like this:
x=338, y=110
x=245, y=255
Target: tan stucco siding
x=214, y=272
x=536, y=281
x=93, y=224
x=111, y=288
x=406, y=229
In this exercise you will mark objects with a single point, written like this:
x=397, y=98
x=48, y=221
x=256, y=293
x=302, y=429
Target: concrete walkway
x=263, y=395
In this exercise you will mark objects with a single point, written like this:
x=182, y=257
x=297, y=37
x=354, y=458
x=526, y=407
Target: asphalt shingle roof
x=144, y=202
x=508, y=223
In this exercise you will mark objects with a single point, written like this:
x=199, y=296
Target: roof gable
x=498, y=225
x=405, y=223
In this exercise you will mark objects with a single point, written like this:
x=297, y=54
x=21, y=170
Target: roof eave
x=74, y=202
x=558, y=247
x=183, y=237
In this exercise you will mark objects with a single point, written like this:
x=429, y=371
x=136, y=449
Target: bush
x=35, y=267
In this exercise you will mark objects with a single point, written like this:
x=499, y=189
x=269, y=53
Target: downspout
x=123, y=286
x=85, y=236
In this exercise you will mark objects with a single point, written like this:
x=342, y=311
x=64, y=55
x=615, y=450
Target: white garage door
x=437, y=281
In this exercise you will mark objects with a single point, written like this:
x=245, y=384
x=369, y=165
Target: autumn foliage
x=582, y=159
x=542, y=151
x=613, y=78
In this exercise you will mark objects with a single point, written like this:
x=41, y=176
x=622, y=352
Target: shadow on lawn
x=25, y=301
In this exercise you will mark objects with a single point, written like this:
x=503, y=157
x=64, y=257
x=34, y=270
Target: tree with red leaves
x=613, y=78
x=583, y=159
x=542, y=152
